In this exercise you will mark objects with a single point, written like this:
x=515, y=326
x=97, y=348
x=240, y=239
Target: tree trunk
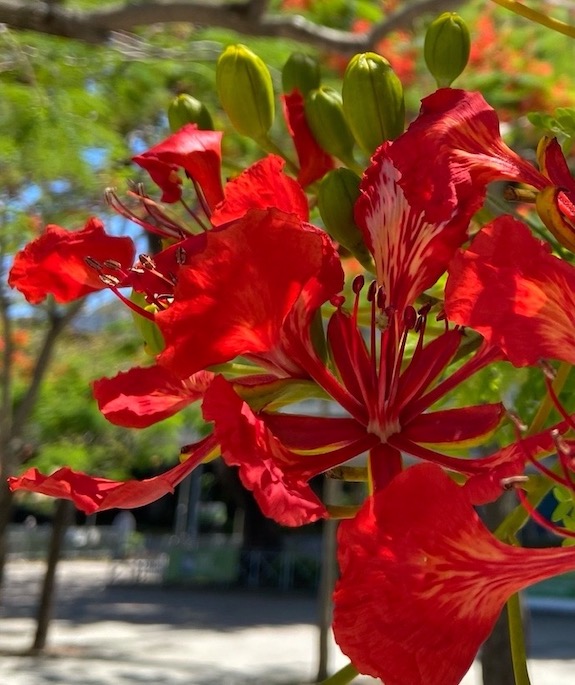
x=6, y=499
x=327, y=582
x=45, y=605
x=496, y=664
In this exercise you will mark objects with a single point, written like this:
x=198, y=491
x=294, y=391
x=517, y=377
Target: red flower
x=197, y=152
x=508, y=287
x=459, y=133
x=313, y=161
x=423, y=581
x=91, y=494
x=255, y=291
x=55, y=263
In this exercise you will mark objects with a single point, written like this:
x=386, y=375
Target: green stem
x=517, y=639
x=344, y=676
x=537, y=17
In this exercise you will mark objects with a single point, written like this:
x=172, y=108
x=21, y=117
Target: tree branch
x=57, y=323
x=249, y=18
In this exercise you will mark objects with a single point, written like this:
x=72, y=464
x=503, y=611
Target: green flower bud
x=151, y=334
x=337, y=195
x=324, y=114
x=185, y=109
x=300, y=72
x=373, y=101
x=446, y=48
x=245, y=89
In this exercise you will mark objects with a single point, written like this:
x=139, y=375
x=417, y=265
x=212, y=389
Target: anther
x=510, y=482
x=547, y=369
x=410, y=318
x=424, y=310
x=560, y=443
x=181, y=255
x=358, y=283
x=371, y=291
x=112, y=264
x=93, y=263
x=516, y=420
x=380, y=298
x=111, y=281
x=147, y=262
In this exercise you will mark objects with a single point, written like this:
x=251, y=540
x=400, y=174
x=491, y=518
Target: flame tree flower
x=423, y=581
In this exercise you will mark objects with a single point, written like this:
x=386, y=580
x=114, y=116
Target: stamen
x=520, y=426
x=194, y=216
x=147, y=262
x=542, y=521
x=547, y=369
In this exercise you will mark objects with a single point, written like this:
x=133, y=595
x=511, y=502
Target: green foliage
x=561, y=124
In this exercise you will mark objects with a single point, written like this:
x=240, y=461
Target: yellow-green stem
x=537, y=17
x=517, y=639
x=342, y=677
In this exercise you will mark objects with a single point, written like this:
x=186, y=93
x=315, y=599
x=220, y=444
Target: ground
x=113, y=634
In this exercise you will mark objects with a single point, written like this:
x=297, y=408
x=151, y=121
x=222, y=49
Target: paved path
x=115, y=635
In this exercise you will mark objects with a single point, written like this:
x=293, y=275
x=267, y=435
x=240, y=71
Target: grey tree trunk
x=45, y=606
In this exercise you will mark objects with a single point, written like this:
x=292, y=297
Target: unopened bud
x=324, y=114
x=245, y=89
x=337, y=195
x=300, y=72
x=185, y=109
x=373, y=101
x=446, y=48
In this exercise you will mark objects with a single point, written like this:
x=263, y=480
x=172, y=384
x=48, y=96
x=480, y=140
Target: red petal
x=266, y=467
x=54, y=264
x=454, y=425
x=91, y=494
x=458, y=133
x=235, y=297
x=423, y=581
x=410, y=253
x=518, y=296
x=313, y=161
x=197, y=152
x=143, y=396
x=261, y=186
x=313, y=432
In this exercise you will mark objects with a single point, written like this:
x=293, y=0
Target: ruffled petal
x=261, y=186
x=508, y=287
x=91, y=494
x=276, y=476
x=197, y=152
x=55, y=263
x=234, y=298
x=423, y=581
x=143, y=396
